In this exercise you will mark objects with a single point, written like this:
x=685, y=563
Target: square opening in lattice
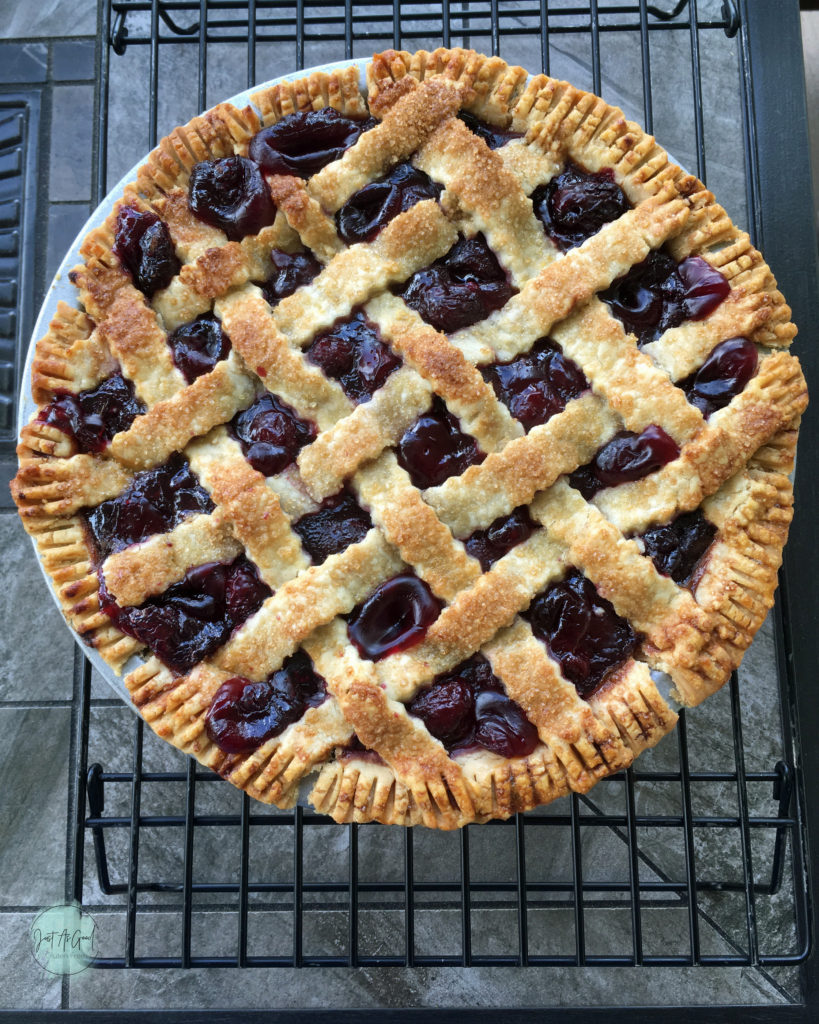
x=215, y=797
x=161, y=861
x=325, y=926
x=160, y=797
x=493, y=854
x=549, y=854
x=723, y=923
x=214, y=932
x=494, y=924
x=436, y=856
x=438, y=926
x=157, y=932
x=607, y=927
x=714, y=799
x=380, y=854
x=551, y=929
x=270, y=930
x=661, y=856
x=664, y=926
x=658, y=799
x=216, y=855
x=718, y=855
x=381, y=926
x=325, y=853
x=270, y=852
x=604, y=854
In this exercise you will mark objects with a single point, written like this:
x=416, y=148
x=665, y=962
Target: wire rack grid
x=697, y=856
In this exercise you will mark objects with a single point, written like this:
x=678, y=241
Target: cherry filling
x=537, y=385
x=676, y=548
x=271, y=434
x=492, y=136
x=577, y=203
x=92, y=417
x=291, y=270
x=394, y=617
x=339, y=522
x=459, y=289
x=435, y=448
x=243, y=715
x=628, y=456
x=194, y=617
x=143, y=244
x=582, y=631
x=353, y=353
x=231, y=194
x=198, y=346
x=155, y=502
x=505, y=533
x=660, y=293
x=355, y=750
x=304, y=142
x=367, y=211
x=468, y=708
x=722, y=376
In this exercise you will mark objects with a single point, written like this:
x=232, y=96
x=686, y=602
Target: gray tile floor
x=35, y=695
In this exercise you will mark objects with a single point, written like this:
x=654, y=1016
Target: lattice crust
x=732, y=466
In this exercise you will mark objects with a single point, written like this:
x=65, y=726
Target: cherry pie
x=413, y=438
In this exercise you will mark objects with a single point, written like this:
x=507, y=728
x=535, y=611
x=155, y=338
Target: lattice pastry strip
x=486, y=589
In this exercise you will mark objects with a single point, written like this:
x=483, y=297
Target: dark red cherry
x=459, y=289
x=505, y=533
x=339, y=522
x=492, y=136
x=447, y=709
x=156, y=501
x=244, y=715
x=659, y=294
x=367, y=211
x=435, y=448
x=291, y=270
x=537, y=384
x=232, y=195
x=582, y=631
x=394, y=617
x=271, y=434
x=467, y=708
x=722, y=376
x=577, y=203
x=92, y=417
x=194, y=617
x=353, y=353
x=143, y=244
x=304, y=142
x=628, y=456
x=198, y=346
x=502, y=726
x=677, y=547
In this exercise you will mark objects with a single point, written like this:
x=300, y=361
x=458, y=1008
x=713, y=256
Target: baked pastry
x=414, y=438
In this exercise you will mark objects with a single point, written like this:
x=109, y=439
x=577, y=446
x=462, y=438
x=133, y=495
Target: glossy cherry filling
x=339, y=522
x=538, y=384
x=395, y=617
x=198, y=346
x=498, y=539
x=459, y=289
x=243, y=715
x=574, y=205
x=144, y=246
x=232, y=195
x=582, y=631
x=271, y=434
x=156, y=501
x=660, y=293
x=676, y=548
x=435, y=448
x=367, y=211
x=722, y=376
x=628, y=456
x=291, y=271
x=494, y=137
x=92, y=417
x=194, y=617
x=467, y=708
x=355, y=750
x=304, y=142
x=353, y=353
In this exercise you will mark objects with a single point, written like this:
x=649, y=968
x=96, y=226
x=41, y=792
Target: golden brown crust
x=733, y=466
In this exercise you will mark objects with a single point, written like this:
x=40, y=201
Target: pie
x=419, y=437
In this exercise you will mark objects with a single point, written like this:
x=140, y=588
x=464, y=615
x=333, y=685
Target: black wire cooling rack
x=698, y=855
